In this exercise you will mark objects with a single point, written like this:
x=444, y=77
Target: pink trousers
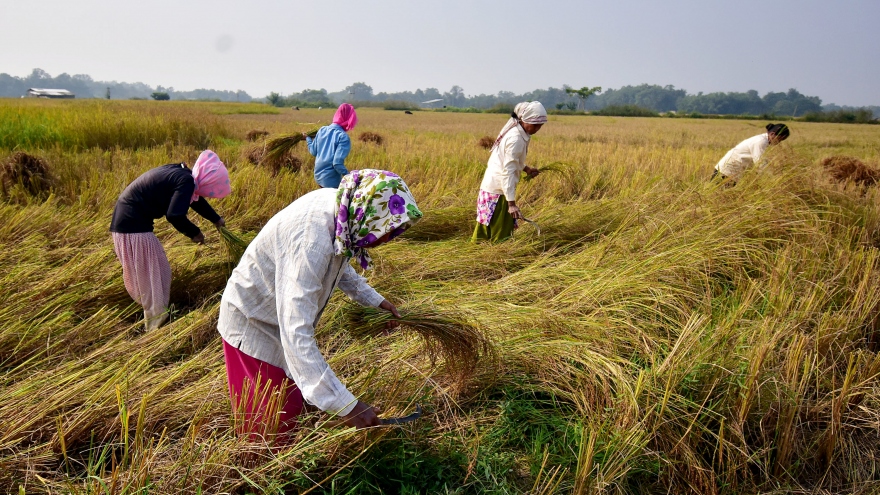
x=265, y=403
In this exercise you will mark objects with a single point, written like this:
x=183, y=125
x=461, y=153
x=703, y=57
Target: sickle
x=404, y=419
x=534, y=224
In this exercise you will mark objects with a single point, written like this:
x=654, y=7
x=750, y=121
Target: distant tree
x=274, y=99
x=571, y=106
x=654, y=97
x=560, y=106
x=455, y=96
x=314, y=96
x=584, y=93
x=360, y=91
x=160, y=95
x=38, y=74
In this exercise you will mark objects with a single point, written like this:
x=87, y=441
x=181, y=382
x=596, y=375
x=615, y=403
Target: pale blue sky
x=829, y=49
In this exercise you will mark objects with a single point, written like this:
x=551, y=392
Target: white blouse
x=743, y=156
x=506, y=164
x=276, y=295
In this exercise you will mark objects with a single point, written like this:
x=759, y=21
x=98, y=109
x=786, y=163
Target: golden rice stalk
x=233, y=245
x=553, y=167
x=277, y=147
x=458, y=342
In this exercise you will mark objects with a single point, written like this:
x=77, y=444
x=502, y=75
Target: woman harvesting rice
x=748, y=152
x=169, y=191
x=331, y=145
x=497, y=211
x=277, y=293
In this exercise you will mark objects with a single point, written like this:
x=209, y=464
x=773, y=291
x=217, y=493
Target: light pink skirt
x=146, y=273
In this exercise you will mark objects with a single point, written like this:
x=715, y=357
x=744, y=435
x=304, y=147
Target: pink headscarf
x=210, y=176
x=345, y=117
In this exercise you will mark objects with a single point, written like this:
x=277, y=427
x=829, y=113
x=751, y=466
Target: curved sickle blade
x=534, y=224
x=405, y=419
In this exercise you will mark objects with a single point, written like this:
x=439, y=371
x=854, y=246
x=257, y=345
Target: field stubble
x=663, y=335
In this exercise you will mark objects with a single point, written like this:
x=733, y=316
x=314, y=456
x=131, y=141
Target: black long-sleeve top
x=162, y=191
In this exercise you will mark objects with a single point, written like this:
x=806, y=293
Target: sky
x=821, y=48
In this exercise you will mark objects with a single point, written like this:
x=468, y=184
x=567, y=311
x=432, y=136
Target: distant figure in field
x=331, y=146
x=497, y=211
x=275, y=297
x=296, y=108
x=169, y=191
x=407, y=112
x=748, y=152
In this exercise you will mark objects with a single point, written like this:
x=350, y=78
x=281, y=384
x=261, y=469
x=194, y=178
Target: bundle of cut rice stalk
x=553, y=167
x=233, y=245
x=458, y=342
x=277, y=148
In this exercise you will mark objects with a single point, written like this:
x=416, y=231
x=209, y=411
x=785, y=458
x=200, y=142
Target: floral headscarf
x=210, y=176
x=346, y=117
x=369, y=204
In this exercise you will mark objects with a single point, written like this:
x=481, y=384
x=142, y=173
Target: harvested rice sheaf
x=256, y=135
x=277, y=152
x=845, y=168
x=553, y=167
x=254, y=154
x=31, y=172
x=371, y=137
x=458, y=342
x=486, y=142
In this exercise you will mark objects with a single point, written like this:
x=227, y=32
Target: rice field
x=662, y=334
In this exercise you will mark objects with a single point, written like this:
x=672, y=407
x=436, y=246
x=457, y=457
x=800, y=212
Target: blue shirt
x=330, y=147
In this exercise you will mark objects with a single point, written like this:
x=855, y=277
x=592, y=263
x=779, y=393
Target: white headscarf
x=530, y=112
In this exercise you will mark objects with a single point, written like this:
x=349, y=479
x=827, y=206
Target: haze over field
x=823, y=49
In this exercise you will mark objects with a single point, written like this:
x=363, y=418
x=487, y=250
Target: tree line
x=83, y=86
x=644, y=98
x=650, y=97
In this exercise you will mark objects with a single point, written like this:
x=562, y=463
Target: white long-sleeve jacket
x=276, y=295
x=743, y=156
x=506, y=164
